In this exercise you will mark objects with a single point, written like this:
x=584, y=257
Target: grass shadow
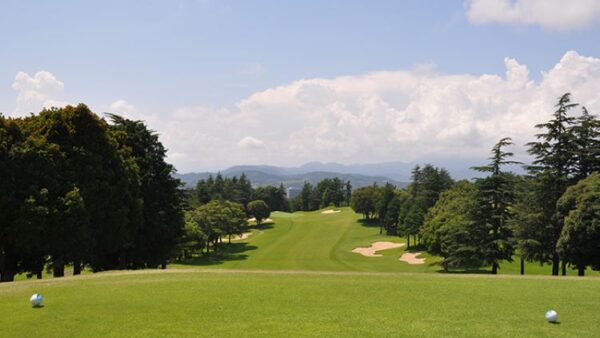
x=467, y=271
x=225, y=252
x=262, y=226
x=369, y=223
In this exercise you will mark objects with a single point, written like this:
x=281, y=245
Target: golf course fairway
x=299, y=277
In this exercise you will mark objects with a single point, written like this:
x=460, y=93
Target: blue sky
x=163, y=58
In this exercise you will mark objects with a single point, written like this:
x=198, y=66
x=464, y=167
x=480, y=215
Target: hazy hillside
x=276, y=176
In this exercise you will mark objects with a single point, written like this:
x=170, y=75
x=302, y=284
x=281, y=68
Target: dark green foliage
x=382, y=204
x=78, y=191
x=213, y=220
x=275, y=198
x=579, y=242
x=328, y=192
x=427, y=184
x=445, y=228
x=364, y=201
x=232, y=189
x=587, y=145
x=259, y=210
x=162, y=198
x=495, y=196
x=553, y=168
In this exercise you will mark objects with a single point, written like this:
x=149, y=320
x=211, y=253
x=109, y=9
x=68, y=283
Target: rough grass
x=287, y=303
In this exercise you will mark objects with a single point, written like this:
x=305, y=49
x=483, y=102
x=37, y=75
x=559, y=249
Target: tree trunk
x=163, y=265
x=76, y=268
x=7, y=276
x=581, y=271
x=555, y=264
x=408, y=241
x=564, y=268
x=522, y=266
x=494, y=268
x=38, y=274
x=58, y=270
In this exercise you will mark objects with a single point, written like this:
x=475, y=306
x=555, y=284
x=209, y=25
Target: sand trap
x=329, y=212
x=268, y=220
x=240, y=237
x=411, y=258
x=377, y=246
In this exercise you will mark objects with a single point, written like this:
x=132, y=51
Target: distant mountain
x=268, y=177
x=360, y=175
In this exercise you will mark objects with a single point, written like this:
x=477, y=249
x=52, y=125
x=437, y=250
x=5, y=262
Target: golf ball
x=36, y=300
x=551, y=316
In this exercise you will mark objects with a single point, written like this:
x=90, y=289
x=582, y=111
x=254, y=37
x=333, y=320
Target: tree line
x=328, y=192
x=219, y=207
x=550, y=215
x=82, y=191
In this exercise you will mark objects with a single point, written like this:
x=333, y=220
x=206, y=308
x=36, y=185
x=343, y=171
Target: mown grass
x=226, y=303
x=314, y=241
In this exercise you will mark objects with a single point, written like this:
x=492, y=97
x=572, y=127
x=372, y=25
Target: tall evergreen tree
x=495, y=198
x=552, y=168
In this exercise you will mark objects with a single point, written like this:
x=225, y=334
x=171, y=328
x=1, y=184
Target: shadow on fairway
x=369, y=223
x=225, y=252
x=467, y=271
x=262, y=226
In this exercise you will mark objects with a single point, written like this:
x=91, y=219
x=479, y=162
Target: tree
x=364, y=200
x=427, y=184
x=382, y=204
x=259, y=210
x=106, y=176
x=274, y=197
x=347, y=192
x=552, y=168
x=495, y=197
x=444, y=230
x=586, y=133
x=218, y=218
x=578, y=242
x=162, y=198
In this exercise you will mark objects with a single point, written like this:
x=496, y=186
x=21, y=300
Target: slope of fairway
x=311, y=241
x=279, y=303
x=324, y=242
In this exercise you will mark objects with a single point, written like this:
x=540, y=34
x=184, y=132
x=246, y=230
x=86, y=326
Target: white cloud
x=42, y=90
x=549, y=14
x=128, y=110
x=382, y=116
x=250, y=142
x=401, y=115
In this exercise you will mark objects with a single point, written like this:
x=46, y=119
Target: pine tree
x=552, y=168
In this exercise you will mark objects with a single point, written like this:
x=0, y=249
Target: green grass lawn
x=314, y=241
x=280, y=303
x=298, y=277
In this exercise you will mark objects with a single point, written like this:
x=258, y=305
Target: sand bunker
x=411, y=258
x=329, y=212
x=240, y=237
x=268, y=220
x=377, y=246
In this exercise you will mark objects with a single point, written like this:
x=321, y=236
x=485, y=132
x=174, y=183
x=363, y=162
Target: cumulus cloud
x=42, y=90
x=402, y=115
x=128, y=110
x=250, y=142
x=549, y=14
